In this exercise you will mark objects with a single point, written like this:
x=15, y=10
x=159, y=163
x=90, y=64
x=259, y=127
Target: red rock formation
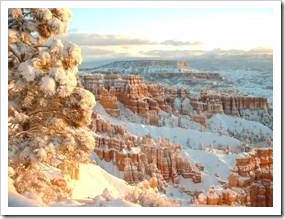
x=146, y=100
x=108, y=100
x=213, y=101
x=200, y=118
x=249, y=184
x=231, y=103
x=142, y=157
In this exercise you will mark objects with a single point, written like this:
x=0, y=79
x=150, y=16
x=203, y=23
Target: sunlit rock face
x=140, y=158
x=249, y=184
x=148, y=100
x=254, y=173
x=230, y=103
x=108, y=100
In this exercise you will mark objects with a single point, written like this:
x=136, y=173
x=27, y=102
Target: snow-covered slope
x=108, y=166
x=237, y=124
x=93, y=180
x=170, y=72
x=251, y=75
x=214, y=151
x=215, y=163
x=195, y=139
x=95, y=187
x=192, y=138
x=17, y=200
x=145, y=67
x=240, y=128
x=165, y=119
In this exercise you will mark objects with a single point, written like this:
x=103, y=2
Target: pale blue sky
x=116, y=20
x=137, y=31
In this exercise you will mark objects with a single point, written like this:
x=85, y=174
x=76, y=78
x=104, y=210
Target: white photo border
x=275, y=210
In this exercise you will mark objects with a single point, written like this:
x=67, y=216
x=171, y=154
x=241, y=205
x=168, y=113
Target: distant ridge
x=144, y=67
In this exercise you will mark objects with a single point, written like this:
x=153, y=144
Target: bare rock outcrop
x=230, y=103
x=140, y=158
x=148, y=100
x=249, y=184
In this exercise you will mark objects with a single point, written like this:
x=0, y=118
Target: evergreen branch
x=14, y=53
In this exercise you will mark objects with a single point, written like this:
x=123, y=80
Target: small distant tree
x=188, y=143
x=48, y=112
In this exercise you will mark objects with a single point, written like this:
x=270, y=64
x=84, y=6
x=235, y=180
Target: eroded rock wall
x=148, y=100
x=249, y=184
x=142, y=157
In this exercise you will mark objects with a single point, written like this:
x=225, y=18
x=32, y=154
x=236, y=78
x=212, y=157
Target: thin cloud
x=260, y=50
x=114, y=46
x=214, y=52
x=92, y=52
x=172, y=53
x=84, y=39
x=181, y=43
x=236, y=52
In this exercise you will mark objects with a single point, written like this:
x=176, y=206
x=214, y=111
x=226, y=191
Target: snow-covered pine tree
x=48, y=111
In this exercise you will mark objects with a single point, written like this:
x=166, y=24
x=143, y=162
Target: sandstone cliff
x=140, y=158
x=249, y=184
x=148, y=100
